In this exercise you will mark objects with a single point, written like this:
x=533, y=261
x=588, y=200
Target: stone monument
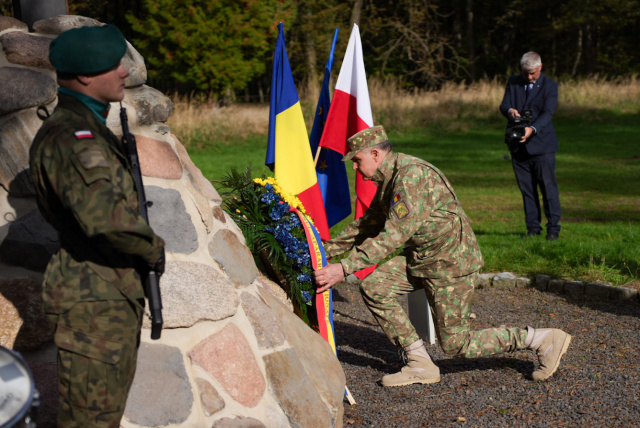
x=232, y=353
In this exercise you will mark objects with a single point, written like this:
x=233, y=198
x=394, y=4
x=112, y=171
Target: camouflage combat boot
x=419, y=368
x=550, y=345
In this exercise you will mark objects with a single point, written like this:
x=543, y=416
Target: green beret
x=87, y=50
x=364, y=139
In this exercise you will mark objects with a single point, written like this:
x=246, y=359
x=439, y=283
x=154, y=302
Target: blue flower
x=295, y=222
x=304, y=277
x=269, y=197
x=303, y=260
x=306, y=296
x=278, y=211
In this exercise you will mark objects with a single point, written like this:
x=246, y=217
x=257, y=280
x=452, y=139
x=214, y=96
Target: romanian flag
x=288, y=150
x=350, y=113
x=330, y=170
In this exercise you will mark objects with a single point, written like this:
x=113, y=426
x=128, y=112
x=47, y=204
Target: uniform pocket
x=91, y=164
x=91, y=346
x=97, y=344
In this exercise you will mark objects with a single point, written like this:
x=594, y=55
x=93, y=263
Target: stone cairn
x=232, y=353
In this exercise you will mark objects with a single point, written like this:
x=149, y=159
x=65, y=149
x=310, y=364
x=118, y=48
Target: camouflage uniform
x=416, y=207
x=93, y=292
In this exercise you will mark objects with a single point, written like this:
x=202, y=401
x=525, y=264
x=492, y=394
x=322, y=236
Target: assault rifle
x=152, y=283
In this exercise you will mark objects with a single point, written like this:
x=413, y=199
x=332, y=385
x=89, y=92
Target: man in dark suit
x=533, y=155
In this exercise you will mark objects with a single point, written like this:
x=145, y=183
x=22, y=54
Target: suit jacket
x=542, y=102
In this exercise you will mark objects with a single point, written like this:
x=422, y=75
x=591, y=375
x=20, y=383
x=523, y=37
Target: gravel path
x=597, y=384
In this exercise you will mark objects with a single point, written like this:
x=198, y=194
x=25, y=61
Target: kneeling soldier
x=416, y=207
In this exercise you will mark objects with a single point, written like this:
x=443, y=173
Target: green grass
x=598, y=169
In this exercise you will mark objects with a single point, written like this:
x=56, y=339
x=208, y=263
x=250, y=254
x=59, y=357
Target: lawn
x=598, y=169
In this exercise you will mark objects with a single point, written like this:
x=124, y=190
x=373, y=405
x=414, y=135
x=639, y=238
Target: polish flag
x=350, y=113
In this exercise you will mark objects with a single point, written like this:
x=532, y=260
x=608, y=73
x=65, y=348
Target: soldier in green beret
x=92, y=291
x=415, y=207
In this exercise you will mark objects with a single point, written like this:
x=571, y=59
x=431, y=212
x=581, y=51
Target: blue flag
x=331, y=171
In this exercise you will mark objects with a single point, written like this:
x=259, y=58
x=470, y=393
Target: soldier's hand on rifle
x=158, y=266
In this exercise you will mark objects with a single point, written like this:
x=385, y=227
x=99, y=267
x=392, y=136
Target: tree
x=107, y=11
x=601, y=38
x=310, y=34
x=208, y=45
x=407, y=39
x=6, y=7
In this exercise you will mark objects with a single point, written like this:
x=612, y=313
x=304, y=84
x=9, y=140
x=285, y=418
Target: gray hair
x=530, y=61
x=385, y=146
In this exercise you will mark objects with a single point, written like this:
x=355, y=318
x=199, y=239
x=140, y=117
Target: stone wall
x=232, y=353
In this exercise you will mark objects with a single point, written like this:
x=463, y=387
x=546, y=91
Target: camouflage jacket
x=414, y=206
x=85, y=189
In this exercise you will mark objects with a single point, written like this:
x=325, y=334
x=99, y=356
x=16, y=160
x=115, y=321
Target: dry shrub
x=203, y=122
x=596, y=93
x=399, y=109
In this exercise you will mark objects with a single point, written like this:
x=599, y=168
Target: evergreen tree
x=210, y=46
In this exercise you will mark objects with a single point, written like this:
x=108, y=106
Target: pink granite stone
x=228, y=357
x=219, y=214
x=157, y=159
x=199, y=180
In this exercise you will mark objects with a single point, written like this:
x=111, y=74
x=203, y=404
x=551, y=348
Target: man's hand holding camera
x=528, y=132
x=519, y=128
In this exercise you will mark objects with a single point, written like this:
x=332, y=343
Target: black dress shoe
x=551, y=236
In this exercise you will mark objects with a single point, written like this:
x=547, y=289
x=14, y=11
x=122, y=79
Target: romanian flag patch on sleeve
x=83, y=134
x=399, y=206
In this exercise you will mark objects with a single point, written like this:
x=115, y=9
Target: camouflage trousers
x=97, y=352
x=450, y=301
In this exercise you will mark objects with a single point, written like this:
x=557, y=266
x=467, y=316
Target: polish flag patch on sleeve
x=83, y=134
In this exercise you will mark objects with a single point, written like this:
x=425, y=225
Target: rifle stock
x=152, y=282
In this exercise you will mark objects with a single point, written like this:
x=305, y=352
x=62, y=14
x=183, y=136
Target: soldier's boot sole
x=561, y=341
x=392, y=382
x=418, y=370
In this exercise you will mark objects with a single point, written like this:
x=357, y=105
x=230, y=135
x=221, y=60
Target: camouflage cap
x=364, y=139
x=87, y=50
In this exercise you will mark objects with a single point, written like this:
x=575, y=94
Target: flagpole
x=327, y=67
x=315, y=161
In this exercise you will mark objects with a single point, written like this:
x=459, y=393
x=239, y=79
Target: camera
x=515, y=130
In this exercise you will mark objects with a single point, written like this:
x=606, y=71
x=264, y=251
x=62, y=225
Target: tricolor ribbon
x=324, y=301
